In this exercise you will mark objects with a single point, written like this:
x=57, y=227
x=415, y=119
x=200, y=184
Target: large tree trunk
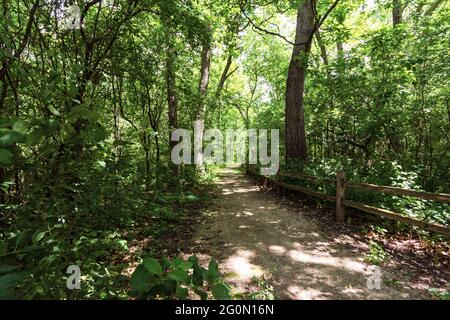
x=397, y=18
x=171, y=97
x=397, y=12
x=295, y=143
x=203, y=90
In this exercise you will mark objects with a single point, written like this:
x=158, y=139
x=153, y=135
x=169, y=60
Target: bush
x=178, y=279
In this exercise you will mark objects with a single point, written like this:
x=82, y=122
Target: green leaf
x=6, y=157
x=192, y=198
x=101, y=163
x=7, y=284
x=176, y=262
x=165, y=289
x=213, y=273
x=179, y=275
x=181, y=293
x=197, y=276
x=20, y=126
x=34, y=137
x=153, y=266
x=140, y=279
x=165, y=263
x=38, y=236
x=8, y=139
x=53, y=76
x=54, y=111
x=185, y=265
x=3, y=247
x=221, y=292
x=6, y=268
x=193, y=259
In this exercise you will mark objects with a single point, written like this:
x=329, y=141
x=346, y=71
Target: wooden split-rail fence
x=342, y=185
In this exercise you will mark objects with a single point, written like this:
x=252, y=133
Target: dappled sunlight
x=278, y=250
x=302, y=293
x=257, y=237
x=239, y=190
x=241, y=265
x=326, y=259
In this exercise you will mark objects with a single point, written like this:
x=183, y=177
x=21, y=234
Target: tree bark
x=322, y=47
x=224, y=76
x=171, y=97
x=397, y=12
x=296, y=143
x=203, y=90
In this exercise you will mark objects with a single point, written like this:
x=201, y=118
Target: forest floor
x=272, y=247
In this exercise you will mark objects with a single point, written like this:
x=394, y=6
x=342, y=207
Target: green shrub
x=376, y=255
x=178, y=279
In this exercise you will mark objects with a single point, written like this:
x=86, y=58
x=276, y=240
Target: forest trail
x=252, y=235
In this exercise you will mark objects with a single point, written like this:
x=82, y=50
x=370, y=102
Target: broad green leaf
x=6, y=157
x=181, y=293
x=153, y=266
x=38, y=236
x=193, y=259
x=7, y=284
x=176, y=262
x=3, y=247
x=6, y=268
x=198, y=275
x=10, y=138
x=165, y=263
x=192, y=198
x=20, y=126
x=54, y=111
x=221, y=292
x=35, y=137
x=165, y=289
x=140, y=279
x=185, y=265
x=179, y=275
x=213, y=273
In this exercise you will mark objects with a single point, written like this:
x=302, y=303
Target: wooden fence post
x=340, y=195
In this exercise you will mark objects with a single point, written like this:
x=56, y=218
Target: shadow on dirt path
x=252, y=236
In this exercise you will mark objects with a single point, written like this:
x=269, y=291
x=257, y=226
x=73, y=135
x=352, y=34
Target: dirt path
x=253, y=236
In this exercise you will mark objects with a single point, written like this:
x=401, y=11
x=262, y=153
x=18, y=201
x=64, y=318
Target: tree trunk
x=323, y=48
x=296, y=144
x=171, y=97
x=224, y=76
x=203, y=90
x=397, y=12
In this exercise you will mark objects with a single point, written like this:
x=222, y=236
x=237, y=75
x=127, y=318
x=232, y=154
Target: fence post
x=340, y=195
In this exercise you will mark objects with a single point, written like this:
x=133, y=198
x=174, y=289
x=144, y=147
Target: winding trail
x=252, y=235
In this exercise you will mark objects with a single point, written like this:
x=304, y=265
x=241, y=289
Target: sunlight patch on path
x=253, y=236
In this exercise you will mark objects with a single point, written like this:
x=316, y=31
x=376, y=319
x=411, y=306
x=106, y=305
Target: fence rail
x=340, y=201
